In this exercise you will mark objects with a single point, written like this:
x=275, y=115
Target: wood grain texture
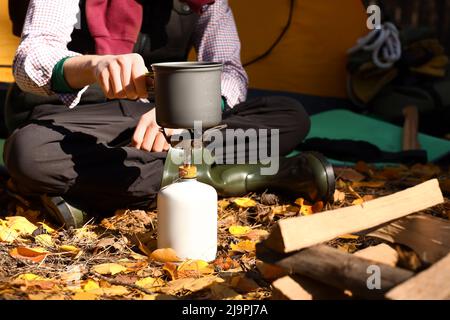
x=297, y=233
x=431, y=284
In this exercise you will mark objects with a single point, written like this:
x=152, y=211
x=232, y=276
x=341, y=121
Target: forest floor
x=115, y=258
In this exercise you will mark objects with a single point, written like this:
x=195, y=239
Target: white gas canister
x=187, y=219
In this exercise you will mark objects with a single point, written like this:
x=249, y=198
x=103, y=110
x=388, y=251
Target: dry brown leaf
x=158, y=296
x=223, y=204
x=165, y=255
x=46, y=296
x=191, y=284
x=426, y=171
x=348, y=174
x=150, y=282
x=30, y=254
x=363, y=167
x=339, y=196
x=171, y=269
x=243, y=284
x=256, y=235
x=193, y=268
x=369, y=184
x=111, y=291
x=224, y=264
x=284, y=209
x=222, y=292
x=349, y=237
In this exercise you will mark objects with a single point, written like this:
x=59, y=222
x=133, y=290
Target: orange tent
x=311, y=57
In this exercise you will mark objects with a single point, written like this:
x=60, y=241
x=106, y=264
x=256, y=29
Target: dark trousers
x=84, y=155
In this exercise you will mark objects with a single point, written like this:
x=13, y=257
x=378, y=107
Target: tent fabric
x=311, y=58
x=8, y=43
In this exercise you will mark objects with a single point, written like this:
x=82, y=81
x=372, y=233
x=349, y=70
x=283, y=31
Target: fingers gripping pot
x=186, y=92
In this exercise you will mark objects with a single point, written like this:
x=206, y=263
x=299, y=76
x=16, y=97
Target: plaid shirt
x=49, y=25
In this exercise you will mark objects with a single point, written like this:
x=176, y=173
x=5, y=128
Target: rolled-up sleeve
x=216, y=39
x=46, y=33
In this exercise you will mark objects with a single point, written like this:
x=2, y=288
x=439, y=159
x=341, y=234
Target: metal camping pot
x=186, y=92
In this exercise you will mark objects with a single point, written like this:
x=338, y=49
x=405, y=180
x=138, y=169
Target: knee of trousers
x=297, y=119
x=26, y=157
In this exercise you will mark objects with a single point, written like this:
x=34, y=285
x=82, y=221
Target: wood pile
x=309, y=269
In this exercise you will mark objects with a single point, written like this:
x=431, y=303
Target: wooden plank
x=431, y=284
x=381, y=253
x=428, y=236
x=336, y=268
x=293, y=234
x=296, y=287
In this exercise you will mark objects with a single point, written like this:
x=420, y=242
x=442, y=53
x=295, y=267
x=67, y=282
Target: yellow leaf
x=223, y=204
x=90, y=285
x=149, y=282
x=44, y=240
x=111, y=291
x=30, y=277
x=191, y=284
x=349, y=236
x=256, y=235
x=165, y=255
x=46, y=227
x=358, y=201
x=245, y=202
x=158, y=297
x=84, y=296
x=7, y=234
x=223, y=292
x=21, y=225
x=281, y=210
x=244, y=246
x=239, y=230
x=109, y=268
x=195, y=266
x=69, y=248
x=46, y=296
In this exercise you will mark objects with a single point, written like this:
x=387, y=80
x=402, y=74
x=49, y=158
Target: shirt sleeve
x=216, y=39
x=46, y=33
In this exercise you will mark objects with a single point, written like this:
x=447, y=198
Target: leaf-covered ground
x=116, y=258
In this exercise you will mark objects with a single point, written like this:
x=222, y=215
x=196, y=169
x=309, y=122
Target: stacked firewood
x=313, y=270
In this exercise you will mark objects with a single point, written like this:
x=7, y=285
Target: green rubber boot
x=307, y=175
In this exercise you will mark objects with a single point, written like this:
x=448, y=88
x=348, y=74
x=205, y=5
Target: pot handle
x=150, y=79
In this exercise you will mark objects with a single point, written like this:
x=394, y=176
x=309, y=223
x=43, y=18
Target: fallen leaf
x=348, y=174
x=223, y=292
x=109, y=268
x=69, y=248
x=137, y=256
x=369, y=184
x=270, y=272
x=44, y=240
x=349, y=237
x=29, y=277
x=46, y=296
x=191, y=284
x=239, y=230
x=245, y=202
x=243, y=284
x=165, y=255
x=158, y=296
x=339, y=196
x=224, y=264
x=305, y=209
x=244, y=246
x=256, y=235
x=358, y=201
x=111, y=291
x=84, y=296
x=149, y=282
x=392, y=173
x=425, y=171
x=46, y=227
x=284, y=209
x=31, y=254
x=194, y=268
x=21, y=225
x=363, y=167
x=318, y=206
x=171, y=269
x=223, y=204
x=90, y=284
x=8, y=234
